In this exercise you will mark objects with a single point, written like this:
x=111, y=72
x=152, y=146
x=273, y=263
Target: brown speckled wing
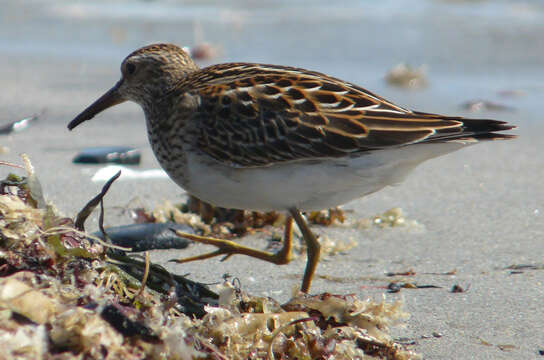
x=255, y=115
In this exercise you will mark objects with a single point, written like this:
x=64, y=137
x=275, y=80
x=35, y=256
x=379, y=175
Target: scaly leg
x=313, y=250
x=228, y=248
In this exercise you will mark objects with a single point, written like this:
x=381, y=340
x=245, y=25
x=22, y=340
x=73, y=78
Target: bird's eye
x=131, y=68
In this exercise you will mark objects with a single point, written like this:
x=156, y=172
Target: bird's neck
x=163, y=125
x=158, y=113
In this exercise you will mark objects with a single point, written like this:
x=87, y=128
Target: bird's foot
x=229, y=248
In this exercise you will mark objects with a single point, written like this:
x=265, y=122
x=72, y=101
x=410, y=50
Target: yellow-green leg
x=313, y=250
x=228, y=248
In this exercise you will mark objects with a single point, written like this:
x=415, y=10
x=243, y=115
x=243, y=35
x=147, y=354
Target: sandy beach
x=479, y=211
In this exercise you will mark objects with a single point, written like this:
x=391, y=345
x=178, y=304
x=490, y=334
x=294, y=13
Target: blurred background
x=489, y=50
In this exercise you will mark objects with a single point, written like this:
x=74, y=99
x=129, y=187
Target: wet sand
x=480, y=209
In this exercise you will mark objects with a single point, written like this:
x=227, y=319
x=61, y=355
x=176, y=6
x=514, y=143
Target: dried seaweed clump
x=324, y=326
x=223, y=223
x=216, y=221
x=394, y=217
x=61, y=297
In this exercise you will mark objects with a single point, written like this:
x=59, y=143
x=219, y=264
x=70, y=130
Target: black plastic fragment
x=18, y=125
x=108, y=154
x=126, y=326
x=143, y=237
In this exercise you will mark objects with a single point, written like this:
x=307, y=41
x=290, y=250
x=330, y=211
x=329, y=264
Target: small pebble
x=457, y=289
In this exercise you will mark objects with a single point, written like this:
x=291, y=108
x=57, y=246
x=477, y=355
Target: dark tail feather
x=480, y=129
x=485, y=125
x=486, y=129
x=494, y=136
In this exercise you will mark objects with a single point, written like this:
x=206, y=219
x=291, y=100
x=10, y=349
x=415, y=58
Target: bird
x=277, y=138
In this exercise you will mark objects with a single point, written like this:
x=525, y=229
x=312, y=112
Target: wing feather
x=254, y=115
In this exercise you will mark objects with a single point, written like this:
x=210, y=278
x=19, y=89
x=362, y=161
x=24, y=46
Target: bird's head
x=146, y=75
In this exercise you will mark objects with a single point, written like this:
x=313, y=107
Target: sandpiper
x=267, y=137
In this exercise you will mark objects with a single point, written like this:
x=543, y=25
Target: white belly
x=305, y=185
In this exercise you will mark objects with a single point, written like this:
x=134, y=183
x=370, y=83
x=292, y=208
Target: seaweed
x=66, y=294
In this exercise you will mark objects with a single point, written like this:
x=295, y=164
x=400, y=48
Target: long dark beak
x=109, y=99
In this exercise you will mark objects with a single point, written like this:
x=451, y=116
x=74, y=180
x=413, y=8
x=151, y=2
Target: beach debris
x=323, y=326
x=166, y=211
x=28, y=188
x=145, y=277
x=93, y=203
x=33, y=184
x=191, y=296
x=143, y=237
x=108, y=154
x=459, y=289
x=20, y=298
x=142, y=216
x=507, y=347
x=521, y=268
x=327, y=217
x=451, y=272
x=410, y=272
x=394, y=217
x=502, y=347
x=124, y=325
x=341, y=315
x=485, y=105
x=176, y=292
x=331, y=246
x=435, y=335
x=415, y=286
x=393, y=287
x=18, y=125
x=390, y=218
x=408, y=77
x=216, y=221
x=204, y=51
x=228, y=223
x=95, y=304
x=525, y=267
x=7, y=163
